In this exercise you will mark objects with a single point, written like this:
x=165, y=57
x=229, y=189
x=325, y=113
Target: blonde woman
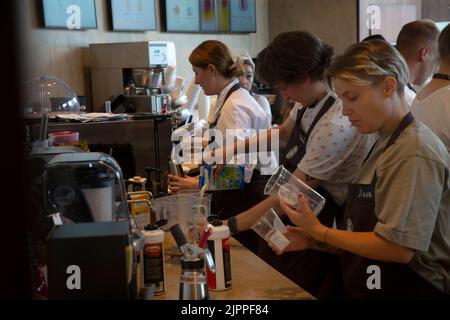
x=395, y=242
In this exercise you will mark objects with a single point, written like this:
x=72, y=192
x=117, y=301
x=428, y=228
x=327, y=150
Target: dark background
x=15, y=280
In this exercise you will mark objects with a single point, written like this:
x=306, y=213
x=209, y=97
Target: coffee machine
x=87, y=192
x=137, y=76
x=85, y=187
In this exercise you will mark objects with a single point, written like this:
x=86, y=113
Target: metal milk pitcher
x=193, y=285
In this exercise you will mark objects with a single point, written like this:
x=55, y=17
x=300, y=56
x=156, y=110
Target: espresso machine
x=136, y=77
x=86, y=190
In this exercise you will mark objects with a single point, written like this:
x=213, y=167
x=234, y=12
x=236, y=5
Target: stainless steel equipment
x=135, y=144
x=193, y=285
x=193, y=282
x=134, y=70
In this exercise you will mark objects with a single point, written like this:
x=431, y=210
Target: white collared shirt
x=242, y=111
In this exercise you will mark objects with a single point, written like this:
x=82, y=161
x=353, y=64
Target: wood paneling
x=334, y=21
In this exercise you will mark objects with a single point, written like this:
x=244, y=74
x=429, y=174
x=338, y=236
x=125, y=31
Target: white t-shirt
x=335, y=150
x=409, y=95
x=434, y=111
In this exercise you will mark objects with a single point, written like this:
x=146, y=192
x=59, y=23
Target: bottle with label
x=154, y=258
x=219, y=246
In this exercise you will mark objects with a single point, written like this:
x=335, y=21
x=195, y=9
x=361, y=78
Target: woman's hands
x=177, y=183
x=308, y=226
x=305, y=218
x=299, y=240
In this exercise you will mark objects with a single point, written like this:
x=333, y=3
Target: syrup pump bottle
x=219, y=246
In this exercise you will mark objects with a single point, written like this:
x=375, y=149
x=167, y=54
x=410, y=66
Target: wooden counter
x=252, y=279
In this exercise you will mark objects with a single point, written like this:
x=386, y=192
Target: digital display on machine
x=242, y=15
x=182, y=15
x=133, y=15
x=158, y=54
x=69, y=14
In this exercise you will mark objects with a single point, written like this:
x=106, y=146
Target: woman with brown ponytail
x=218, y=74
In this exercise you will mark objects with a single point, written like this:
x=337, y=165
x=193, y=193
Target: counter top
x=252, y=279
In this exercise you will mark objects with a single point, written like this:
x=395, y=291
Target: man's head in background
x=418, y=43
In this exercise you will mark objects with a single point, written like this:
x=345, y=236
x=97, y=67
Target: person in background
x=246, y=81
x=323, y=150
x=432, y=104
x=395, y=240
x=418, y=44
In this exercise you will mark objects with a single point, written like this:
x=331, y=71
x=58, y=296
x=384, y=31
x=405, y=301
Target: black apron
x=398, y=281
x=315, y=271
x=234, y=88
x=228, y=203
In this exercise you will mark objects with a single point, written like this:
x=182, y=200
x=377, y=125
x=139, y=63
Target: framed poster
x=209, y=16
x=69, y=14
x=181, y=15
x=133, y=15
x=243, y=16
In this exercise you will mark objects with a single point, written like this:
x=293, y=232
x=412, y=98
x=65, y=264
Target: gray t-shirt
x=413, y=199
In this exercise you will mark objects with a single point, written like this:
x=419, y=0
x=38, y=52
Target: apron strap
x=326, y=106
x=407, y=120
x=234, y=88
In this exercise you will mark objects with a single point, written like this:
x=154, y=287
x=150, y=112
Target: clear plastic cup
x=272, y=229
x=286, y=187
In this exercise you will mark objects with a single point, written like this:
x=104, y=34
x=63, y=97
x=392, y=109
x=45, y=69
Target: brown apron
x=315, y=271
x=398, y=281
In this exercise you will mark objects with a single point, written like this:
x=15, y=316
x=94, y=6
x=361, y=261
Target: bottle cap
x=215, y=220
x=151, y=227
x=186, y=263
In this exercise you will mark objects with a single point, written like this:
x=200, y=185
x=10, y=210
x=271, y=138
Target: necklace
x=442, y=76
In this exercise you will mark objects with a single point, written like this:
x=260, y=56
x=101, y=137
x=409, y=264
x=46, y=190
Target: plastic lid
x=49, y=95
x=192, y=263
x=94, y=177
x=215, y=220
x=151, y=227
